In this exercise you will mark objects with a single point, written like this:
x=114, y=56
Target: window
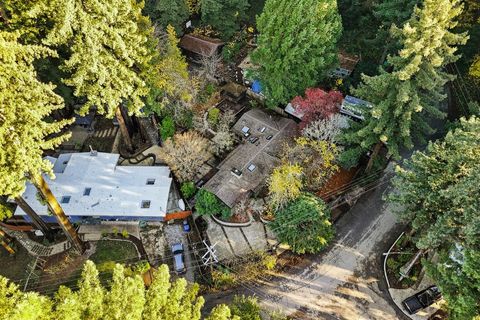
x=150, y=182
x=86, y=191
x=65, y=199
x=145, y=204
x=252, y=167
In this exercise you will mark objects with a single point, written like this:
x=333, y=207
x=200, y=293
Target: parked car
x=178, y=259
x=269, y=137
x=422, y=299
x=253, y=139
x=186, y=226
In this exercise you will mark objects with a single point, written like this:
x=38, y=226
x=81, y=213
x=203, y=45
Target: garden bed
x=401, y=254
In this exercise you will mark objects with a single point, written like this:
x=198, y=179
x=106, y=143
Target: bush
x=125, y=233
x=207, y=204
x=223, y=278
x=188, y=189
x=269, y=261
x=167, y=128
x=304, y=224
x=231, y=50
x=213, y=116
x=246, y=308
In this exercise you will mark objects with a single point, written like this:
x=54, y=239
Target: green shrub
x=269, y=261
x=115, y=231
x=167, y=128
x=125, y=233
x=246, y=308
x=350, y=157
x=231, y=50
x=188, y=189
x=207, y=204
x=213, y=116
x=223, y=278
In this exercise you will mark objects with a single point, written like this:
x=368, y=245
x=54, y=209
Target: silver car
x=178, y=260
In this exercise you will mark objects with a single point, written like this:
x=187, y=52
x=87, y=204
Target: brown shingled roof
x=201, y=45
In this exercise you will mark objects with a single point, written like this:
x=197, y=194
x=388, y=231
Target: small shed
x=200, y=45
x=347, y=63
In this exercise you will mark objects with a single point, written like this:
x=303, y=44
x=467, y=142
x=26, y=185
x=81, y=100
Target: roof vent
x=93, y=153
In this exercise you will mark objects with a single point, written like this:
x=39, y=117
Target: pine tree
x=437, y=191
x=403, y=99
x=224, y=16
x=127, y=299
x=108, y=53
x=297, y=46
x=390, y=13
x=167, y=12
x=24, y=131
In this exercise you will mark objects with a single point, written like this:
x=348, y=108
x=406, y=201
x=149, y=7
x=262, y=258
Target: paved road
x=344, y=282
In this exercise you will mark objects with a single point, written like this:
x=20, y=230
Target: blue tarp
x=256, y=86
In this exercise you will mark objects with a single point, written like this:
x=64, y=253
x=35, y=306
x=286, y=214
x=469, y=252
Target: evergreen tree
x=391, y=13
x=224, y=16
x=167, y=12
x=404, y=98
x=304, y=224
x=437, y=191
x=108, y=54
x=297, y=46
x=24, y=130
x=127, y=299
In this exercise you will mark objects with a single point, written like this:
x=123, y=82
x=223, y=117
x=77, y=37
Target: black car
x=422, y=299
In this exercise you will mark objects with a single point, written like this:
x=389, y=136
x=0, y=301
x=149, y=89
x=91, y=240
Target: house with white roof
x=90, y=185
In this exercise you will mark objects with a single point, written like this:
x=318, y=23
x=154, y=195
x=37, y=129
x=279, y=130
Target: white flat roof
x=114, y=190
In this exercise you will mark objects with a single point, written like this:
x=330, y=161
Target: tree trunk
x=58, y=212
x=374, y=155
x=36, y=220
x=124, y=129
x=5, y=241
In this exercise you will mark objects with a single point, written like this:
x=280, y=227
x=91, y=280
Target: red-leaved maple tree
x=317, y=104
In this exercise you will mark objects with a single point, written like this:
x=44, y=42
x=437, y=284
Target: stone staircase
x=37, y=249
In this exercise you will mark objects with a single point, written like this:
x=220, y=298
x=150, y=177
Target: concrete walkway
x=232, y=242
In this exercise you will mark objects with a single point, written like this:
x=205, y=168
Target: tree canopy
x=224, y=16
x=296, y=46
x=25, y=106
x=108, y=50
x=404, y=98
x=304, y=224
x=168, y=12
x=127, y=298
x=437, y=190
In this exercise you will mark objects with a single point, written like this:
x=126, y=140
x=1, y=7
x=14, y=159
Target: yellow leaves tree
x=475, y=68
x=285, y=185
x=170, y=81
x=315, y=157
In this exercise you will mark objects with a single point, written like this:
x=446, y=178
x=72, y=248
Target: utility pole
x=210, y=257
